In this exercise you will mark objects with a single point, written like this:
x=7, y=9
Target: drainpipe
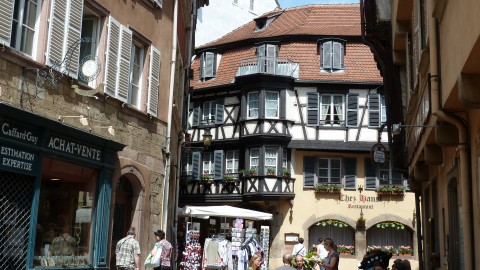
x=462, y=148
x=166, y=181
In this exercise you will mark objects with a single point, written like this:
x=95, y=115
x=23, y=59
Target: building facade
x=220, y=17
x=432, y=48
x=91, y=100
x=295, y=106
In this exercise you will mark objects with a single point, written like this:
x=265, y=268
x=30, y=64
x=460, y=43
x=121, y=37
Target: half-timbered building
x=294, y=105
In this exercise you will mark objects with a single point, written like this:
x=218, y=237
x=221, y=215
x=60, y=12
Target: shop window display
x=66, y=203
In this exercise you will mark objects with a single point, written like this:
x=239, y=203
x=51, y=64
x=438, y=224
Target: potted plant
x=361, y=223
x=286, y=172
x=335, y=188
x=206, y=179
x=228, y=178
x=270, y=171
x=321, y=188
x=252, y=171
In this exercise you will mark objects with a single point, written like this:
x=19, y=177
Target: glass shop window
x=67, y=197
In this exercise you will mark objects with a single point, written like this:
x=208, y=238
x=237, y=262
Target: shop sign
x=19, y=133
x=74, y=148
x=359, y=202
x=18, y=160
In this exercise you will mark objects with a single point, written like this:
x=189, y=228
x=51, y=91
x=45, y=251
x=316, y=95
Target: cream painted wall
x=310, y=207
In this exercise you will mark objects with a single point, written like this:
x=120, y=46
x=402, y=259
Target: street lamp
x=207, y=141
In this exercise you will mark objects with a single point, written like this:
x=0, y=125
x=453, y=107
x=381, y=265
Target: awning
x=223, y=211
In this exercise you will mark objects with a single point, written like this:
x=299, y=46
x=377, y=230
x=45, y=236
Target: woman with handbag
x=154, y=258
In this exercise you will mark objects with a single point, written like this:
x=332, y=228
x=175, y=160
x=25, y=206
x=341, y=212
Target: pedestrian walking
x=166, y=248
x=299, y=248
x=127, y=252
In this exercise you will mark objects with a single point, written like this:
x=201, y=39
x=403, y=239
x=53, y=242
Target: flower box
x=326, y=188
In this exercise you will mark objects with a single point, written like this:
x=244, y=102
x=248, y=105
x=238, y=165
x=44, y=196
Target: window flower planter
x=325, y=188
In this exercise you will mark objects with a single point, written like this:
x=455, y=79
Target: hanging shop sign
x=379, y=153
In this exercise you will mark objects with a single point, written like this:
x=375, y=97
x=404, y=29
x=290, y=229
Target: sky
x=296, y=3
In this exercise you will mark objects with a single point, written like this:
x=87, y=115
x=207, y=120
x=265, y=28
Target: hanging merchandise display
x=232, y=247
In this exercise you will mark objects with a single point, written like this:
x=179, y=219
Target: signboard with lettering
x=74, y=148
x=19, y=133
x=18, y=160
x=378, y=153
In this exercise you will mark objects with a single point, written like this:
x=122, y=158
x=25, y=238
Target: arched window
x=390, y=236
x=340, y=232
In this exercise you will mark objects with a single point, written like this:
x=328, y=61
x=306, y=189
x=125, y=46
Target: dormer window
x=267, y=55
x=332, y=56
x=208, y=66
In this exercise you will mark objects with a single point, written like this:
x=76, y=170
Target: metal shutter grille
x=16, y=195
x=6, y=16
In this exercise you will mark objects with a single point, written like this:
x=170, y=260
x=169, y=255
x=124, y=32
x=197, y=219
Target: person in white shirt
x=321, y=251
x=299, y=249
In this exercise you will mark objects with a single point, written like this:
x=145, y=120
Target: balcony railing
x=268, y=65
x=238, y=189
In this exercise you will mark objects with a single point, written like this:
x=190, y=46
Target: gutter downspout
x=166, y=181
x=462, y=148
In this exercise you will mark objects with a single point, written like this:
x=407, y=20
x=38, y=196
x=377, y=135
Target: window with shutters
x=231, y=160
x=136, y=64
x=208, y=66
x=377, y=110
x=377, y=176
x=209, y=111
x=207, y=163
x=271, y=104
x=252, y=105
x=271, y=159
x=267, y=58
x=332, y=56
x=329, y=171
x=21, y=16
x=332, y=110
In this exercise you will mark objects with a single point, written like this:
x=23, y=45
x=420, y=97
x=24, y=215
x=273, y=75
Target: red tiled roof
x=314, y=20
x=328, y=20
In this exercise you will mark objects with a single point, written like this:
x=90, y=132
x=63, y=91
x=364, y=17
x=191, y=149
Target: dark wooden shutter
x=202, y=65
x=337, y=55
x=196, y=115
x=352, y=110
x=312, y=109
x=350, y=173
x=218, y=164
x=327, y=55
x=219, y=110
x=196, y=165
x=370, y=174
x=373, y=110
x=308, y=171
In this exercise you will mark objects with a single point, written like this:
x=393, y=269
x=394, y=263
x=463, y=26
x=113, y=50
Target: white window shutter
x=124, y=49
x=111, y=68
x=210, y=65
x=6, y=9
x=74, y=32
x=57, y=32
x=327, y=55
x=337, y=55
x=65, y=31
x=154, y=81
